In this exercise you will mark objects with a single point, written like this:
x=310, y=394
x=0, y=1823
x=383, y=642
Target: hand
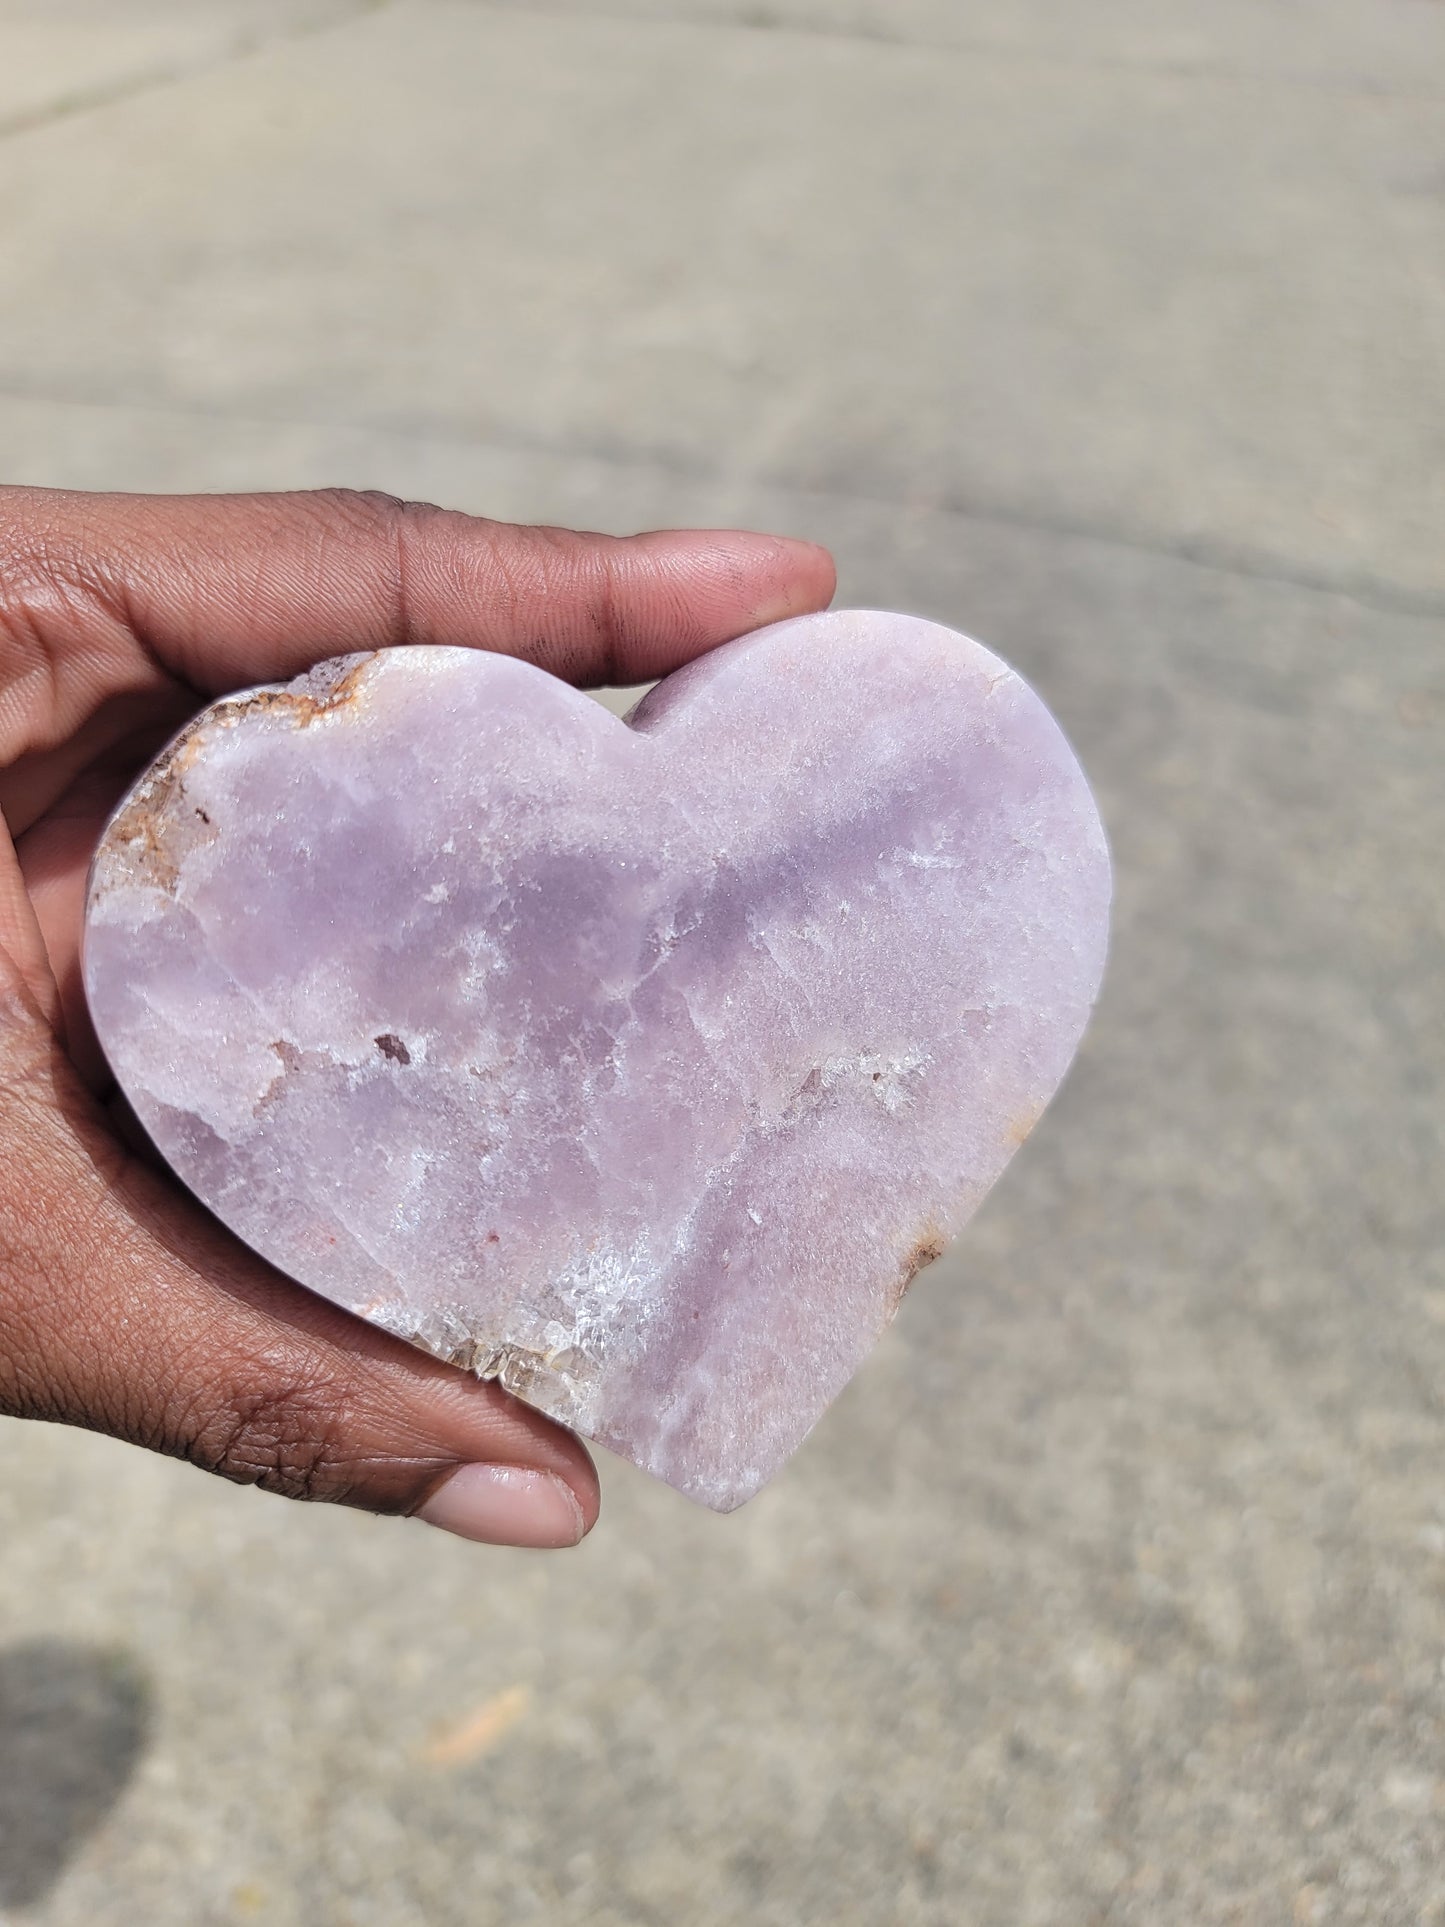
x=123, y=1306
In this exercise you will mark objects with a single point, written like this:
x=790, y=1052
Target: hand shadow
x=73, y=1725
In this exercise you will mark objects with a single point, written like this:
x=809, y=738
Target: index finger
x=223, y=591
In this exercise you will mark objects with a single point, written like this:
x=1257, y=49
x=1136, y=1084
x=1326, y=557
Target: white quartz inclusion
x=637, y=1065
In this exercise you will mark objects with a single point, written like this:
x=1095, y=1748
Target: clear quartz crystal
x=637, y=1065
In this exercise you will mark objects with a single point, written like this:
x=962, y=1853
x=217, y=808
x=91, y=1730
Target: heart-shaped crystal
x=639, y=1066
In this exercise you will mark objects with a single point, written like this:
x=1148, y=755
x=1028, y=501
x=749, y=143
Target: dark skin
x=123, y=1307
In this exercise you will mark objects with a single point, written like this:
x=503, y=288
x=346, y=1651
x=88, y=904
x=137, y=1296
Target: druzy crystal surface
x=637, y=1065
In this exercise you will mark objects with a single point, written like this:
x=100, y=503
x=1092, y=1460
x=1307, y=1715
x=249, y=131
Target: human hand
x=123, y=1306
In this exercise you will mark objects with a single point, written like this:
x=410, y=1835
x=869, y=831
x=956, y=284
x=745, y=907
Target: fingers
x=123, y=1309
x=122, y=592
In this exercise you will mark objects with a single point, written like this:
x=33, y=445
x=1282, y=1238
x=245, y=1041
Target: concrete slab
x=1189, y=311
x=1111, y=1589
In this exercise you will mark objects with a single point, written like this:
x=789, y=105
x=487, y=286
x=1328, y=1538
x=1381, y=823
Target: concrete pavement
x=1112, y=1590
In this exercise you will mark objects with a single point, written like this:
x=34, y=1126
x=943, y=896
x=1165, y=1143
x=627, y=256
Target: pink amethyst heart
x=637, y=1065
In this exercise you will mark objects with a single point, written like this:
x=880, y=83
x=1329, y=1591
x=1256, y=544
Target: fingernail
x=506, y=1505
x=807, y=580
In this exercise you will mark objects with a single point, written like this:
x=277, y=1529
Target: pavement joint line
x=1377, y=594
x=151, y=80
x=759, y=20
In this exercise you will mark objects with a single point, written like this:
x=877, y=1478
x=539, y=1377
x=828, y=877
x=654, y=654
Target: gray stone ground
x=1114, y=1589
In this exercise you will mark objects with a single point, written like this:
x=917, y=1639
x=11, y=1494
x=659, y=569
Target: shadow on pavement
x=73, y=1726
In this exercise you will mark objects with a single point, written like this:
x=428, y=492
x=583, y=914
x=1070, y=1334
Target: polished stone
x=640, y=1068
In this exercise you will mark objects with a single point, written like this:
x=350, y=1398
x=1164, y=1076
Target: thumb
x=124, y=1309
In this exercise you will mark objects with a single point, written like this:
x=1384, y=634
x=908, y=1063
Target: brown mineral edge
x=145, y=830
x=930, y=1244
x=156, y=829
x=304, y=705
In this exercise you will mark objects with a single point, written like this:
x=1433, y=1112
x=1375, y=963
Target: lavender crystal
x=639, y=1066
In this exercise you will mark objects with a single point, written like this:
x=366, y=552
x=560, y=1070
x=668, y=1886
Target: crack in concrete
x=763, y=19
x=155, y=79
x=758, y=19
x=1381, y=594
